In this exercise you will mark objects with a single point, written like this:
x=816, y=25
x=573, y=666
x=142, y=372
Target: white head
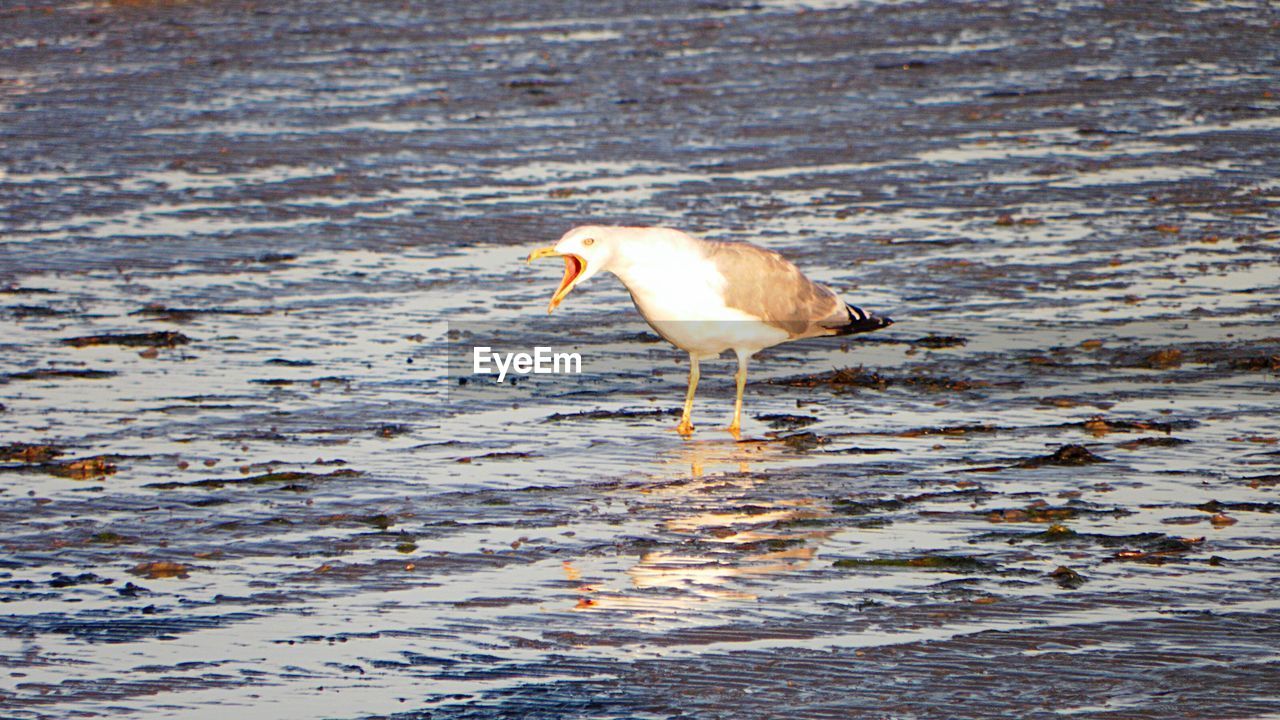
x=587, y=250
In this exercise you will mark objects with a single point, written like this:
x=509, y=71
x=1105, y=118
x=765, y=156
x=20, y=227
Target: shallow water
x=1071, y=211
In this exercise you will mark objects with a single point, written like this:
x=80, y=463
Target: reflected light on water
x=750, y=542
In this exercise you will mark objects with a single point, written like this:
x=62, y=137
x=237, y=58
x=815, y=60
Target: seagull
x=706, y=297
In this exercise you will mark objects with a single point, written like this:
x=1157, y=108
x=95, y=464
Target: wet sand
x=241, y=242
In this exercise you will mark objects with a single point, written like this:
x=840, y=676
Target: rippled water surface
x=238, y=473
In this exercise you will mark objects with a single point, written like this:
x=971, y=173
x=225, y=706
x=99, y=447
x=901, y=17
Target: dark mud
x=240, y=243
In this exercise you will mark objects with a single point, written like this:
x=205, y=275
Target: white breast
x=679, y=293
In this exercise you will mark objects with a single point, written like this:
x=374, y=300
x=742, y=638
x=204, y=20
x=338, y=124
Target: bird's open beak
x=573, y=267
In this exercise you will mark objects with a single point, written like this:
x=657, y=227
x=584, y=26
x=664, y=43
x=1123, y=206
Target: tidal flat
x=242, y=470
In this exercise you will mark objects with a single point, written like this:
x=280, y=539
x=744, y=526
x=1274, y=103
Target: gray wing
x=764, y=284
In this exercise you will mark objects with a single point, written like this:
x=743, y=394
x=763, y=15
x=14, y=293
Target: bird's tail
x=861, y=321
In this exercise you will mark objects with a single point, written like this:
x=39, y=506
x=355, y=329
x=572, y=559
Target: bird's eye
x=589, y=241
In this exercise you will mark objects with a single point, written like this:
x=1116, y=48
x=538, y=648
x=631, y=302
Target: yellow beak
x=573, y=267
x=542, y=252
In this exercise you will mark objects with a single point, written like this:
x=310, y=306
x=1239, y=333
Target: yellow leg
x=740, y=378
x=686, y=426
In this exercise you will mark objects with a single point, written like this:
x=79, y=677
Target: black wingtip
x=861, y=321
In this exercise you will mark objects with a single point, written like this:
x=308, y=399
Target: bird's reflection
x=735, y=543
